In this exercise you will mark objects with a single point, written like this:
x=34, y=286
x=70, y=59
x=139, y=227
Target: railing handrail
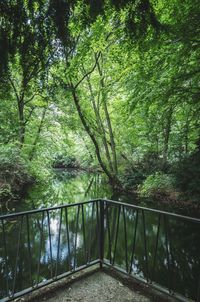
x=194, y=219
x=183, y=217
x=46, y=209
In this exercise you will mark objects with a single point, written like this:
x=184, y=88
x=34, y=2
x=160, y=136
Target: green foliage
x=187, y=175
x=11, y=160
x=157, y=185
x=64, y=161
x=6, y=192
x=14, y=172
x=150, y=163
x=132, y=178
x=34, y=29
x=76, y=85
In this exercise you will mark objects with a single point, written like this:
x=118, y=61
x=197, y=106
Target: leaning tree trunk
x=108, y=120
x=100, y=126
x=112, y=178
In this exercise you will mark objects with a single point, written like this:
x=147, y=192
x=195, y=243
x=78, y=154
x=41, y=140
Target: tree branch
x=29, y=115
x=89, y=72
x=15, y=89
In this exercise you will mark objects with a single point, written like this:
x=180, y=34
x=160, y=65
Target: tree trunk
x=112, y=141
x=37, y=134
x=21, y=121
x=112, y=178
x=108, y=120
x=100, y=126
x=167, y=130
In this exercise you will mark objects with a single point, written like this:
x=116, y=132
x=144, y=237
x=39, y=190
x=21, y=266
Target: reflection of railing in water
x=42, y=246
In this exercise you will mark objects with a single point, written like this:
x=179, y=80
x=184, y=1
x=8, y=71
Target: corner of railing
x=101, y=200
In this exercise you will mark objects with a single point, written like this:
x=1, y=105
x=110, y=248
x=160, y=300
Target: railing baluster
x=17, y=255
x=98, y=227
x=145, y=246
x=58, y=247
x=101, y=233
x=116, y=237
x=171, y=258
x=68, y=239
x=40, y=250
x=76, y=234
x=109, y=237
x=29, y=249
x=134, y=242
x=167, y=253
x=156, y=248
x=90, y=236
x=198, y=288
x=50, y=244
x=125, y=238
x=6, y=257
x=83, y=228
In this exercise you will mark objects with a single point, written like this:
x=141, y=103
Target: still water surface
x=66, y=186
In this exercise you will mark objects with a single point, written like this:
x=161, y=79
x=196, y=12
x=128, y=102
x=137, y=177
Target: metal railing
x=41, y=246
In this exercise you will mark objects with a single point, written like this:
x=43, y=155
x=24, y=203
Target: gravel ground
x=98, y=287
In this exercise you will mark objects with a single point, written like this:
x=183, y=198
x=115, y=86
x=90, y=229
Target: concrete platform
x=94, y=285
x=99, y=287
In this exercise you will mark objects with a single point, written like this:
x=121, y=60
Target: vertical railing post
x=198, y=290
x=101, y=233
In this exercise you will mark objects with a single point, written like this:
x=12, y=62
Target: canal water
x=34, y=249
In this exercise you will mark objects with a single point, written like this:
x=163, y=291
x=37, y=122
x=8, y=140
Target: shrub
x=64, y=161
x=187, y=175
x=151, y=163
x=5, y=192
x=156, y=185
x=132, y=178
x=14, y=171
